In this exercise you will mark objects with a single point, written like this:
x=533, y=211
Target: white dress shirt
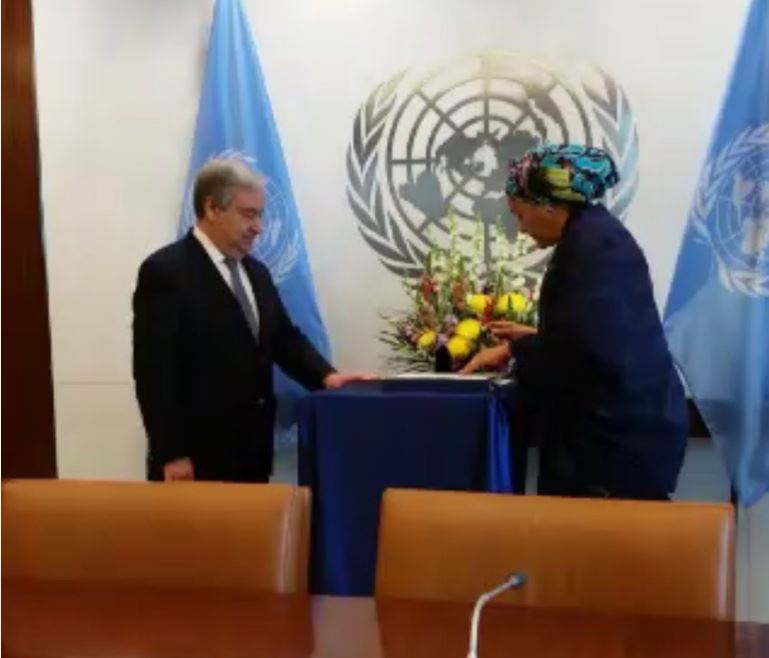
x=218, y=258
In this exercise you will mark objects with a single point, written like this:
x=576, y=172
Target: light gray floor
x=702, y=478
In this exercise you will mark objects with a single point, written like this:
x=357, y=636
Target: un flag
x=717, y=314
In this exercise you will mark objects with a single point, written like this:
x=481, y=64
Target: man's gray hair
x=217, y=177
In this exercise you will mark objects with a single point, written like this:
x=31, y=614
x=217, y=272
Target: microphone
x=513, y=582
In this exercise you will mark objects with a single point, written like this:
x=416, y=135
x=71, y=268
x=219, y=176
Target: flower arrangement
x=459, y=292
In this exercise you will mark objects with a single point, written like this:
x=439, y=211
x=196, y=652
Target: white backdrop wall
x=118, y=84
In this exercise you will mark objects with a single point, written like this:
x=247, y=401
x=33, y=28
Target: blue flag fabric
x=717, y=313
x=235, y=120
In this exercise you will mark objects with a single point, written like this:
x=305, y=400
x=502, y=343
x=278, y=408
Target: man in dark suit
x=208, y=326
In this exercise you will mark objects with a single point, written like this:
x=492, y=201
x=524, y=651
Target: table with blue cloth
x=358, y=441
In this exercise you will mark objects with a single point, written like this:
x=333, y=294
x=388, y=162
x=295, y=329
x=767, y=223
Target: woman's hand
x=509, y=330
x=491, y=358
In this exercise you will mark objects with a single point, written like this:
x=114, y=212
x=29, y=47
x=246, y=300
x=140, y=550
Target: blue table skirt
x=356, y=442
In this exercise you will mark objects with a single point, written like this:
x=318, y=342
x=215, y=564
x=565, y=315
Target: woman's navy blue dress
x=609, y=409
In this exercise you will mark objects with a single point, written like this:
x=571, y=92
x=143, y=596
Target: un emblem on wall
x=425, y=145
x=731, y=211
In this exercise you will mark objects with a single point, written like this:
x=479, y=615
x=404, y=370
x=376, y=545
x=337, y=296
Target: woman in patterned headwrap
x=608, y=405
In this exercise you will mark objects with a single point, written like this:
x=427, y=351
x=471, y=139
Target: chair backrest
x=196, y=534
x=642, y=557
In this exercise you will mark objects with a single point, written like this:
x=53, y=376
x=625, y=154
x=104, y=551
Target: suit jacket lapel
x=212, y=284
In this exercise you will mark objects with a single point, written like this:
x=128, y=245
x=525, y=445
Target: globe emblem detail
x=731, y=211
x=427, y=146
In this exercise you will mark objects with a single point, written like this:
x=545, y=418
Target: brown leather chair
x=629, y=556
x=194, y=534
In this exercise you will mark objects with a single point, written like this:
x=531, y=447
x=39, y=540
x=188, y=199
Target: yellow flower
x=459, y=347
x=514, y=301
x=427, y=340
x=468, y=329
x=477, y=303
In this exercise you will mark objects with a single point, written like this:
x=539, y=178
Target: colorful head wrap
x=567, y=172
